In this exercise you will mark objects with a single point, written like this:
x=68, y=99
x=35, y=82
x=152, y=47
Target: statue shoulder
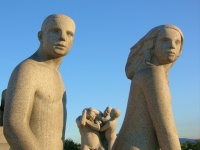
x=27, y=67
x=150, y=73
x=78, y=119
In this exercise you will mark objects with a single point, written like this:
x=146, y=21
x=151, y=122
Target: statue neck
x=40, y=56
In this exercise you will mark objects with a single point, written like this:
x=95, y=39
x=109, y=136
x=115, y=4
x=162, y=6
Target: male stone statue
x=35, y=113
x=149, y=122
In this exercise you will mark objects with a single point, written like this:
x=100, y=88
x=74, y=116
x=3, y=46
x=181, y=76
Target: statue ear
x=40, y=36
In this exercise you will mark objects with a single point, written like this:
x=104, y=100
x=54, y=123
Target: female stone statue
x=149, y=122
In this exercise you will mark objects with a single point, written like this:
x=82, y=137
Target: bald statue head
x=115, y=113
x=57, y=35
x=52, y=18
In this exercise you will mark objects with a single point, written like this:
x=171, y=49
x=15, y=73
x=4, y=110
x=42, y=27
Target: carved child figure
x=102, y=117
x=110, y=127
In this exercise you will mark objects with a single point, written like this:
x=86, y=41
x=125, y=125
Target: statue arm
x=106, y=126
x=81, y=120
x=158, y=99
x=94, y=126
x=97, y=112
x=78, y=121
x=83, y=117
x=18, y=108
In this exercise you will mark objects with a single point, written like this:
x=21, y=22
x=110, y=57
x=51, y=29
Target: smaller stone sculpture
x=97, y=130
x=88, y=129
x=110, y=127
x=103, y=117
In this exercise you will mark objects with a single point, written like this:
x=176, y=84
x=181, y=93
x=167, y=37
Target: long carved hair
x=141, y=52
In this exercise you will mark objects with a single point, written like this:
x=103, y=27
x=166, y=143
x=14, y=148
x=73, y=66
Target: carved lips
x=60, y=46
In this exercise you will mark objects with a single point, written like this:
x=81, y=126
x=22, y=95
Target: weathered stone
x=96, y=129
x=149, y=122
x=110, y=127
x=35, y=113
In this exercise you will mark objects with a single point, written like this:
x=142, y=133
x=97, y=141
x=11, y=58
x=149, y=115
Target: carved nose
x=172, y=44
x=62, y=36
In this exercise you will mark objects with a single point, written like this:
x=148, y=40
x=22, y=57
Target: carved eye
x=177, y=42
x=70, y=33
x=54, y=31
x=165, y=39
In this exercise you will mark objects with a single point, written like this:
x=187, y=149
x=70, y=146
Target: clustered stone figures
x=97, y=130
x=35, y=99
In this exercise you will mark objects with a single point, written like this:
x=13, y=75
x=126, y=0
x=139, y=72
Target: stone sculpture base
x=3, y=143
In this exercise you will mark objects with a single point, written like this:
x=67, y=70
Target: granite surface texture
x=149, y=122
x=97, y=130
x=35, y=108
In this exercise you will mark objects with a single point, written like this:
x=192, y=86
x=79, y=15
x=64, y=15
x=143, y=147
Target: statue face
x=168, y=46
x=57, y=36
x=107, y=111
x=91, y=116
x=112, y=113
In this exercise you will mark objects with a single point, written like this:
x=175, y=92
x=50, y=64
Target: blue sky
x=93, y=71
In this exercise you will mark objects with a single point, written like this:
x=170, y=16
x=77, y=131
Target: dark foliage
x=188, y=145
x=71, y=145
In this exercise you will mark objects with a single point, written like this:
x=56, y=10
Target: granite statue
x=89, y=130
x=102, y=118
x=110, y=128
x=149, y=122
x=35, y=108
x=97, y=130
